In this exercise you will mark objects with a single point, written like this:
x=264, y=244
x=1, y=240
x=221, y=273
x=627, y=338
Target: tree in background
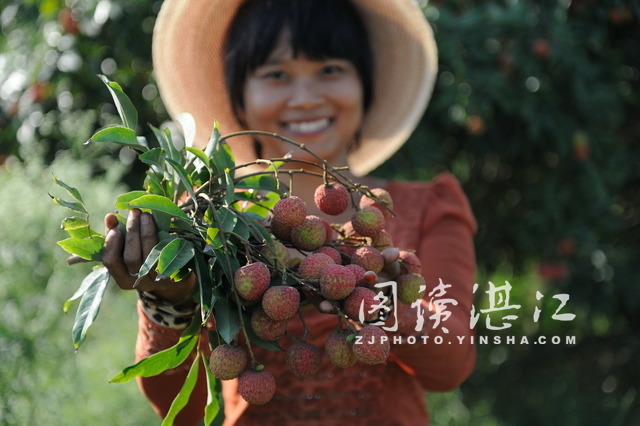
x=535, y=110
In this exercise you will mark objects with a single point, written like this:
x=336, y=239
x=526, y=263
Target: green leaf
x=125, y=107
x=119, y=135
x=86, y=248
x=242, y=230
x=174, y=256
x=154, y=157
x=71, y=190
x=159, y=203
x=76, y=207
x=89, y=305
x=152, y=257
x=227, y=218
x=258, y=182
x=214, y=411
x=122, y=202
x=200, y=155
x=181, y=173
x=227, y=319
x=78, y=228
x=87, y=282
x=214, y=140
x=160, y=361
x=222, y=158
x=182, y=398
x=229, y=197
x=166, y=143
x=213, y=238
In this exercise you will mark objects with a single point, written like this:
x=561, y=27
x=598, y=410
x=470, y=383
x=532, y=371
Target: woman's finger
x=112, y=259
x=132, y=246
x=148, y=234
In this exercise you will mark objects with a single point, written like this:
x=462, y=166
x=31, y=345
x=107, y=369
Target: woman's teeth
x=308, y=126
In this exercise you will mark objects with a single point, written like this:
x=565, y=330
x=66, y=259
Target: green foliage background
x=535, y=111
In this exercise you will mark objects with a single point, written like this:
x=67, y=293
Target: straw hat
x=188, y=60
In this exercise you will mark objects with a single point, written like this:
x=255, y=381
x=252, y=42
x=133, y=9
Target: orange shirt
x=435, y=220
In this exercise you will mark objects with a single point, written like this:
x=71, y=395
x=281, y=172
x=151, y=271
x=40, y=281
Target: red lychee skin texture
x=369, y=258
x=280, y=302
x=290, y=211
x=332, y=199
x=339, y=350
x=303, y=359
x=410, y=262
x=310, y=235
x=252, y=280
x=374, y=347
x=409, y=288
x=364, y=296
x=332, y=253
x=257, y=387
x=266, y=328
x=382, y=241
x=331, y=233
x=311, y=266
x=368, y=221
x=281, y=230
x=384, y=201
x=358, y=273
x=227, y=361
x=336, y=282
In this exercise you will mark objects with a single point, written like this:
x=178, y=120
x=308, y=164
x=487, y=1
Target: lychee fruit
x=411, y=287
x=372, y=345
x=382, y=201
x=310, y=267
x=358, y=273
x=369, y=258
x=336, y=282
x=290, y=211
x=361, y=298
x=368, y=221
x=303, y=359
x=252, y=280
x=256, y=387
x=277, y=253
x=266, y=328
x=332, y=198
x=410, y=262
x=310, y=235
x=280, y=302
x=228, y=361
x=339, y=349
x=280, y=230
x=382, y=241
x=331, y=252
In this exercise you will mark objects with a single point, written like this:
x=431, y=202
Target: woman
x=350, y=80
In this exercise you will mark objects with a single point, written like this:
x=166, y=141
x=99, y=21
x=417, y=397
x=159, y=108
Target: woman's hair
x=319, y=29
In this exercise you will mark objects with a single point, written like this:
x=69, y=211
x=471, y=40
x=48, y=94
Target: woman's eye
x=331, y=69
x=274, y=75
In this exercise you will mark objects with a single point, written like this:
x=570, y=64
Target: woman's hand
x=124, y=254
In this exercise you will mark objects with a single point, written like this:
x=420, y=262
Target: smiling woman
x=331, y=74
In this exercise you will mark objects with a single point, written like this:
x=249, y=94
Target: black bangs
x=318, y=29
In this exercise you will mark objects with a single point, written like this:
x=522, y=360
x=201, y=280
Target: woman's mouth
x=311, y=126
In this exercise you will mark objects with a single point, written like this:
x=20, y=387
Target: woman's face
x=315, y=102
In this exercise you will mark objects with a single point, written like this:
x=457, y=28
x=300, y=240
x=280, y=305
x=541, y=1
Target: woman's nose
x=305, y=94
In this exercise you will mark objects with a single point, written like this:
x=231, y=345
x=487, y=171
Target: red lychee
x=336, y=282
x=369, y=258
x=277, y=254
x=382, y=201
x=372, y=345
x=228, y=361
x=361, y=298
x=411, y=287
x=266, y=328
x=303, y=359
x=310, y=235
x=382, y=241
x=368, y=221
x=252, y=280
x=280, y=302
x=331, y=252
x=358, y=273
x=256, y=387
x=280, y=230
x=290, y=211
x=410, y=262
x=331, y=199
x=339, y=349
x=310, y=266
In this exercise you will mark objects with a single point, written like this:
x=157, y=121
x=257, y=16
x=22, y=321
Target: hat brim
x=188, y=60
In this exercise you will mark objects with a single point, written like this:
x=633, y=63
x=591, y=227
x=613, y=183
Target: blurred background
x=537, y=112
